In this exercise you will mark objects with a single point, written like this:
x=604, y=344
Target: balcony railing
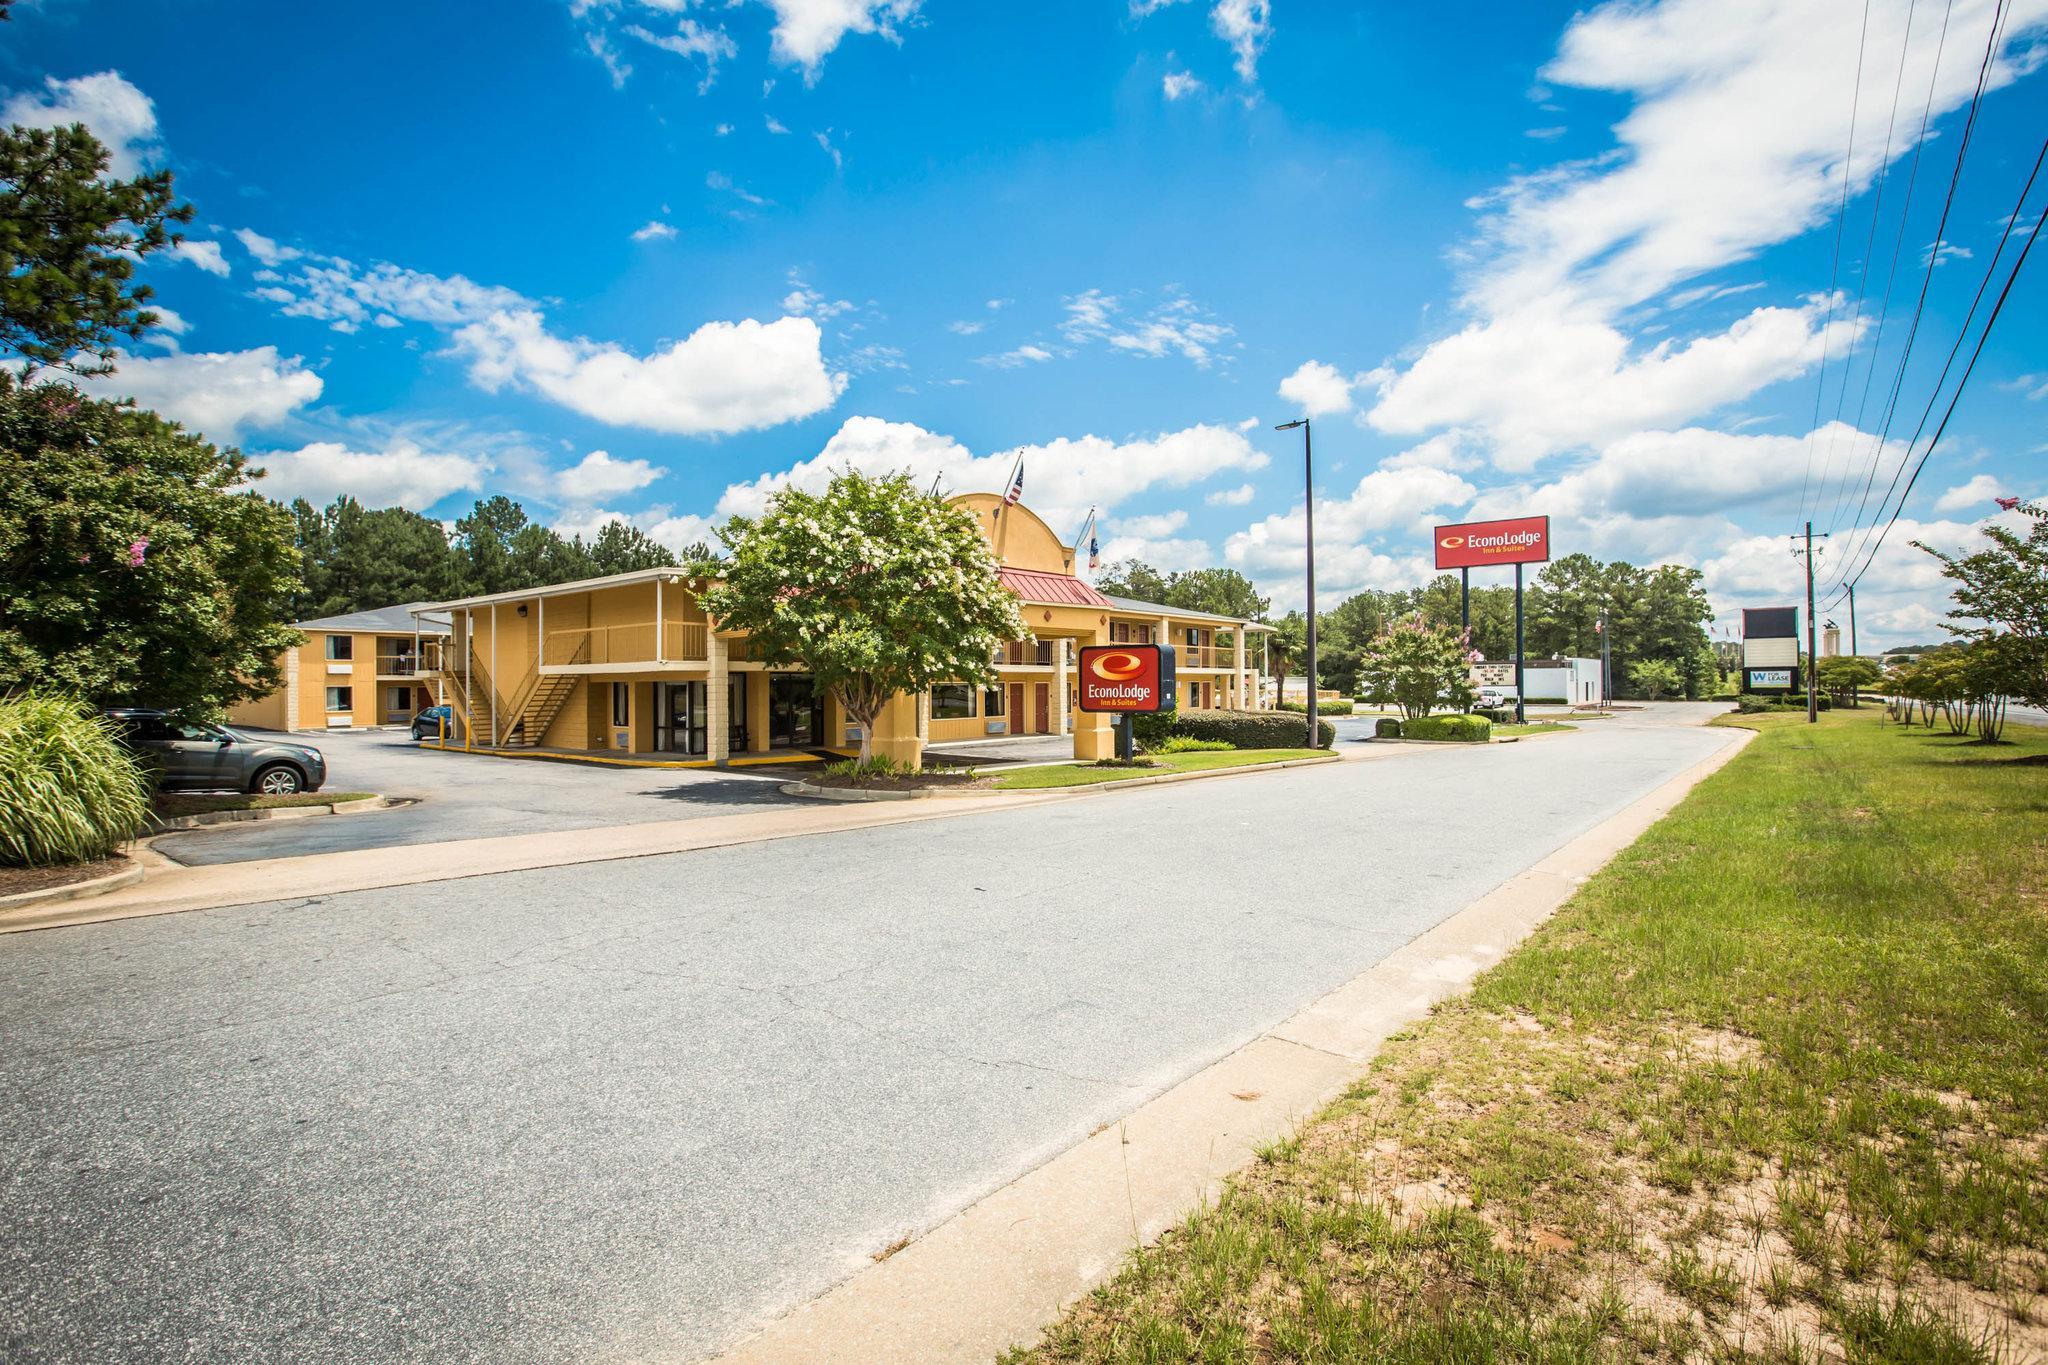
x=409, y=665
x=1213, y=656
x=1030, y=653
x=682, y=642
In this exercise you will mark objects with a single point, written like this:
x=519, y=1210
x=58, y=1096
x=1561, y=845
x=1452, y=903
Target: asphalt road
x=471, y=796
x=628, y=1109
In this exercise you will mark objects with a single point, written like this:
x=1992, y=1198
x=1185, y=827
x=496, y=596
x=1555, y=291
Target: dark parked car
x=427, y=724
x=196, y=757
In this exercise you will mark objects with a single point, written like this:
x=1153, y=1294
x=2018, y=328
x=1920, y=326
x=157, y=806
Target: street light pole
x=1308, y=482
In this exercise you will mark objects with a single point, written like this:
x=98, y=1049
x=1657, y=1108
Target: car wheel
x=280, y=780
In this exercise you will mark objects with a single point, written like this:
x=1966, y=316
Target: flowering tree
x=874, y=587
x=138, y=565
x=2002, y=594
x=1417, y=667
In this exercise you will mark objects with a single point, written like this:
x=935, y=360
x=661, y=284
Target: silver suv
x=193, y=757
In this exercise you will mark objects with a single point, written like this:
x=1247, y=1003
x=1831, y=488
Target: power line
x=1884, y=162
x=1926, y=280
x=1990, y=319
x=1892, y=271
x=1835, y=266
x=1962, y=333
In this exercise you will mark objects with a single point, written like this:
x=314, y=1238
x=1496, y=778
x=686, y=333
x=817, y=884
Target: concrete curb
x=993, y=1275
x=208, y=818
x=1077, y=789
x=72, y=891
x=817, y=793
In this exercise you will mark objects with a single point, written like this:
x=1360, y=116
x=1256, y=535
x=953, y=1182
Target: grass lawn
x=200, y=803
x=1773, y=1086
x=1085, y=774
x=1534, y=727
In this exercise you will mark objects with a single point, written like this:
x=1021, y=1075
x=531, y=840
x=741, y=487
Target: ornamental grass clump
x=69, y=791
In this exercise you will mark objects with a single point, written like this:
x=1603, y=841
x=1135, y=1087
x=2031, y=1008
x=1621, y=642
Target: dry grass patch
x=1769, y=1088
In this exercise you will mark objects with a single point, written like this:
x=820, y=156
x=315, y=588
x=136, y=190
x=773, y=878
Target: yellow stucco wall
x=300, y=702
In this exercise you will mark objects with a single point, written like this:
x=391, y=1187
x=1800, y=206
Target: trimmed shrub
x=1386, y=727
x=1238, y=729
x=1499, y=715
x=1187, y=744
x=70, y=792
x=1463, y=729
x=1751, y=705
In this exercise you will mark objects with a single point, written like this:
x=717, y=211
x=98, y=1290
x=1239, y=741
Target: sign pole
x=1465, y=600
x=1126, y=742
x=1521, y=702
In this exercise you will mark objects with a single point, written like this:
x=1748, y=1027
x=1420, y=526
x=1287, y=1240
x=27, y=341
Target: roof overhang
x=579, y=585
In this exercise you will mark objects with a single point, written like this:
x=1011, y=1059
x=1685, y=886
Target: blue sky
x=654, y=258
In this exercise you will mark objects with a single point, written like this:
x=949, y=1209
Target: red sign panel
x=1127, y=678
x=1477, y=544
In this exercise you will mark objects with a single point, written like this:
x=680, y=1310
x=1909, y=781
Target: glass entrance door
x=796, y=713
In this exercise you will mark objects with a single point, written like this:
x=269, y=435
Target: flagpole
x=1010, y=482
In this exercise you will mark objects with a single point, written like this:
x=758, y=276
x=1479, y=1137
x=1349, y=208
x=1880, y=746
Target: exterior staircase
x=543, y=702
x=536, y=702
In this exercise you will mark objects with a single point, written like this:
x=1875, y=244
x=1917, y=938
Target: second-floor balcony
x=408, y=663
x=682, y=642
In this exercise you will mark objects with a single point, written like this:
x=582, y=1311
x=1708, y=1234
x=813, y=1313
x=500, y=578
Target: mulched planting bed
x=950, y=781
x=16, y=880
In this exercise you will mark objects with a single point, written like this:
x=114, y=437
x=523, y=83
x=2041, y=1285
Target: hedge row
x=1462, y=729
x=1240, y=729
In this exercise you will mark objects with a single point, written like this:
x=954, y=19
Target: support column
x=1237, y=667
x=717, y=718
x=1093, y=737
x=1059, y=686
x=757, y=713
x=494, y=675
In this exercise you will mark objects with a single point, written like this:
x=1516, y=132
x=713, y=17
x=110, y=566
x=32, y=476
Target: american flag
x=1016, y=485
x=1094, y=552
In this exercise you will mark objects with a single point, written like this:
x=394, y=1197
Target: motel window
x=1119, y=632
x=1144, y=636
x=341, y=647
x=992, y=701
x=341, y=699
x=952, y=701
x=401, y=699
x=622, y=703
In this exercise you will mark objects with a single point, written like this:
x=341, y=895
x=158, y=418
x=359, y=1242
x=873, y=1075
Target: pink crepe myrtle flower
x=136, y=551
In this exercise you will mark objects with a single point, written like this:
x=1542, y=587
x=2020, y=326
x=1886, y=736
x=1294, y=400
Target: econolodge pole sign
x=1126, y=681
x=1482, y=544
x=1478, y=544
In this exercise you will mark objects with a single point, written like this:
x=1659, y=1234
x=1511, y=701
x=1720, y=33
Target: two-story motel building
x=364, y=668
x=629, y=664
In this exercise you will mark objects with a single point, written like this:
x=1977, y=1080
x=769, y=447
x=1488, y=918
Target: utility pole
x=1308, y=483
x=1812, y=651
x=1852, y=620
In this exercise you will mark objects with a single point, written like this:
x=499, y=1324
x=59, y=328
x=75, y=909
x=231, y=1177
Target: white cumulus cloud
x=598, y=476
x=403, y=474
x=1062, y=478
x=724, y=377
x=217, y=393
x=119, y=115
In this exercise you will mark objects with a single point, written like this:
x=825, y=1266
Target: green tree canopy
x=69, y=240
x=137, y=565
x=1654, y=677
x=873, y=586
x=1132, y=578
x=2001, y=593
x=1418, y=667
x=356, y=558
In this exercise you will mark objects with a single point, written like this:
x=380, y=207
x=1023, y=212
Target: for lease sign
x=1476, y=544
x=1127, y=678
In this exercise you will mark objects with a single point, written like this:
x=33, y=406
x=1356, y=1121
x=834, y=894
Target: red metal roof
x=1051, y=589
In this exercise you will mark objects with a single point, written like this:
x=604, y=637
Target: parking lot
x=474, y=796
